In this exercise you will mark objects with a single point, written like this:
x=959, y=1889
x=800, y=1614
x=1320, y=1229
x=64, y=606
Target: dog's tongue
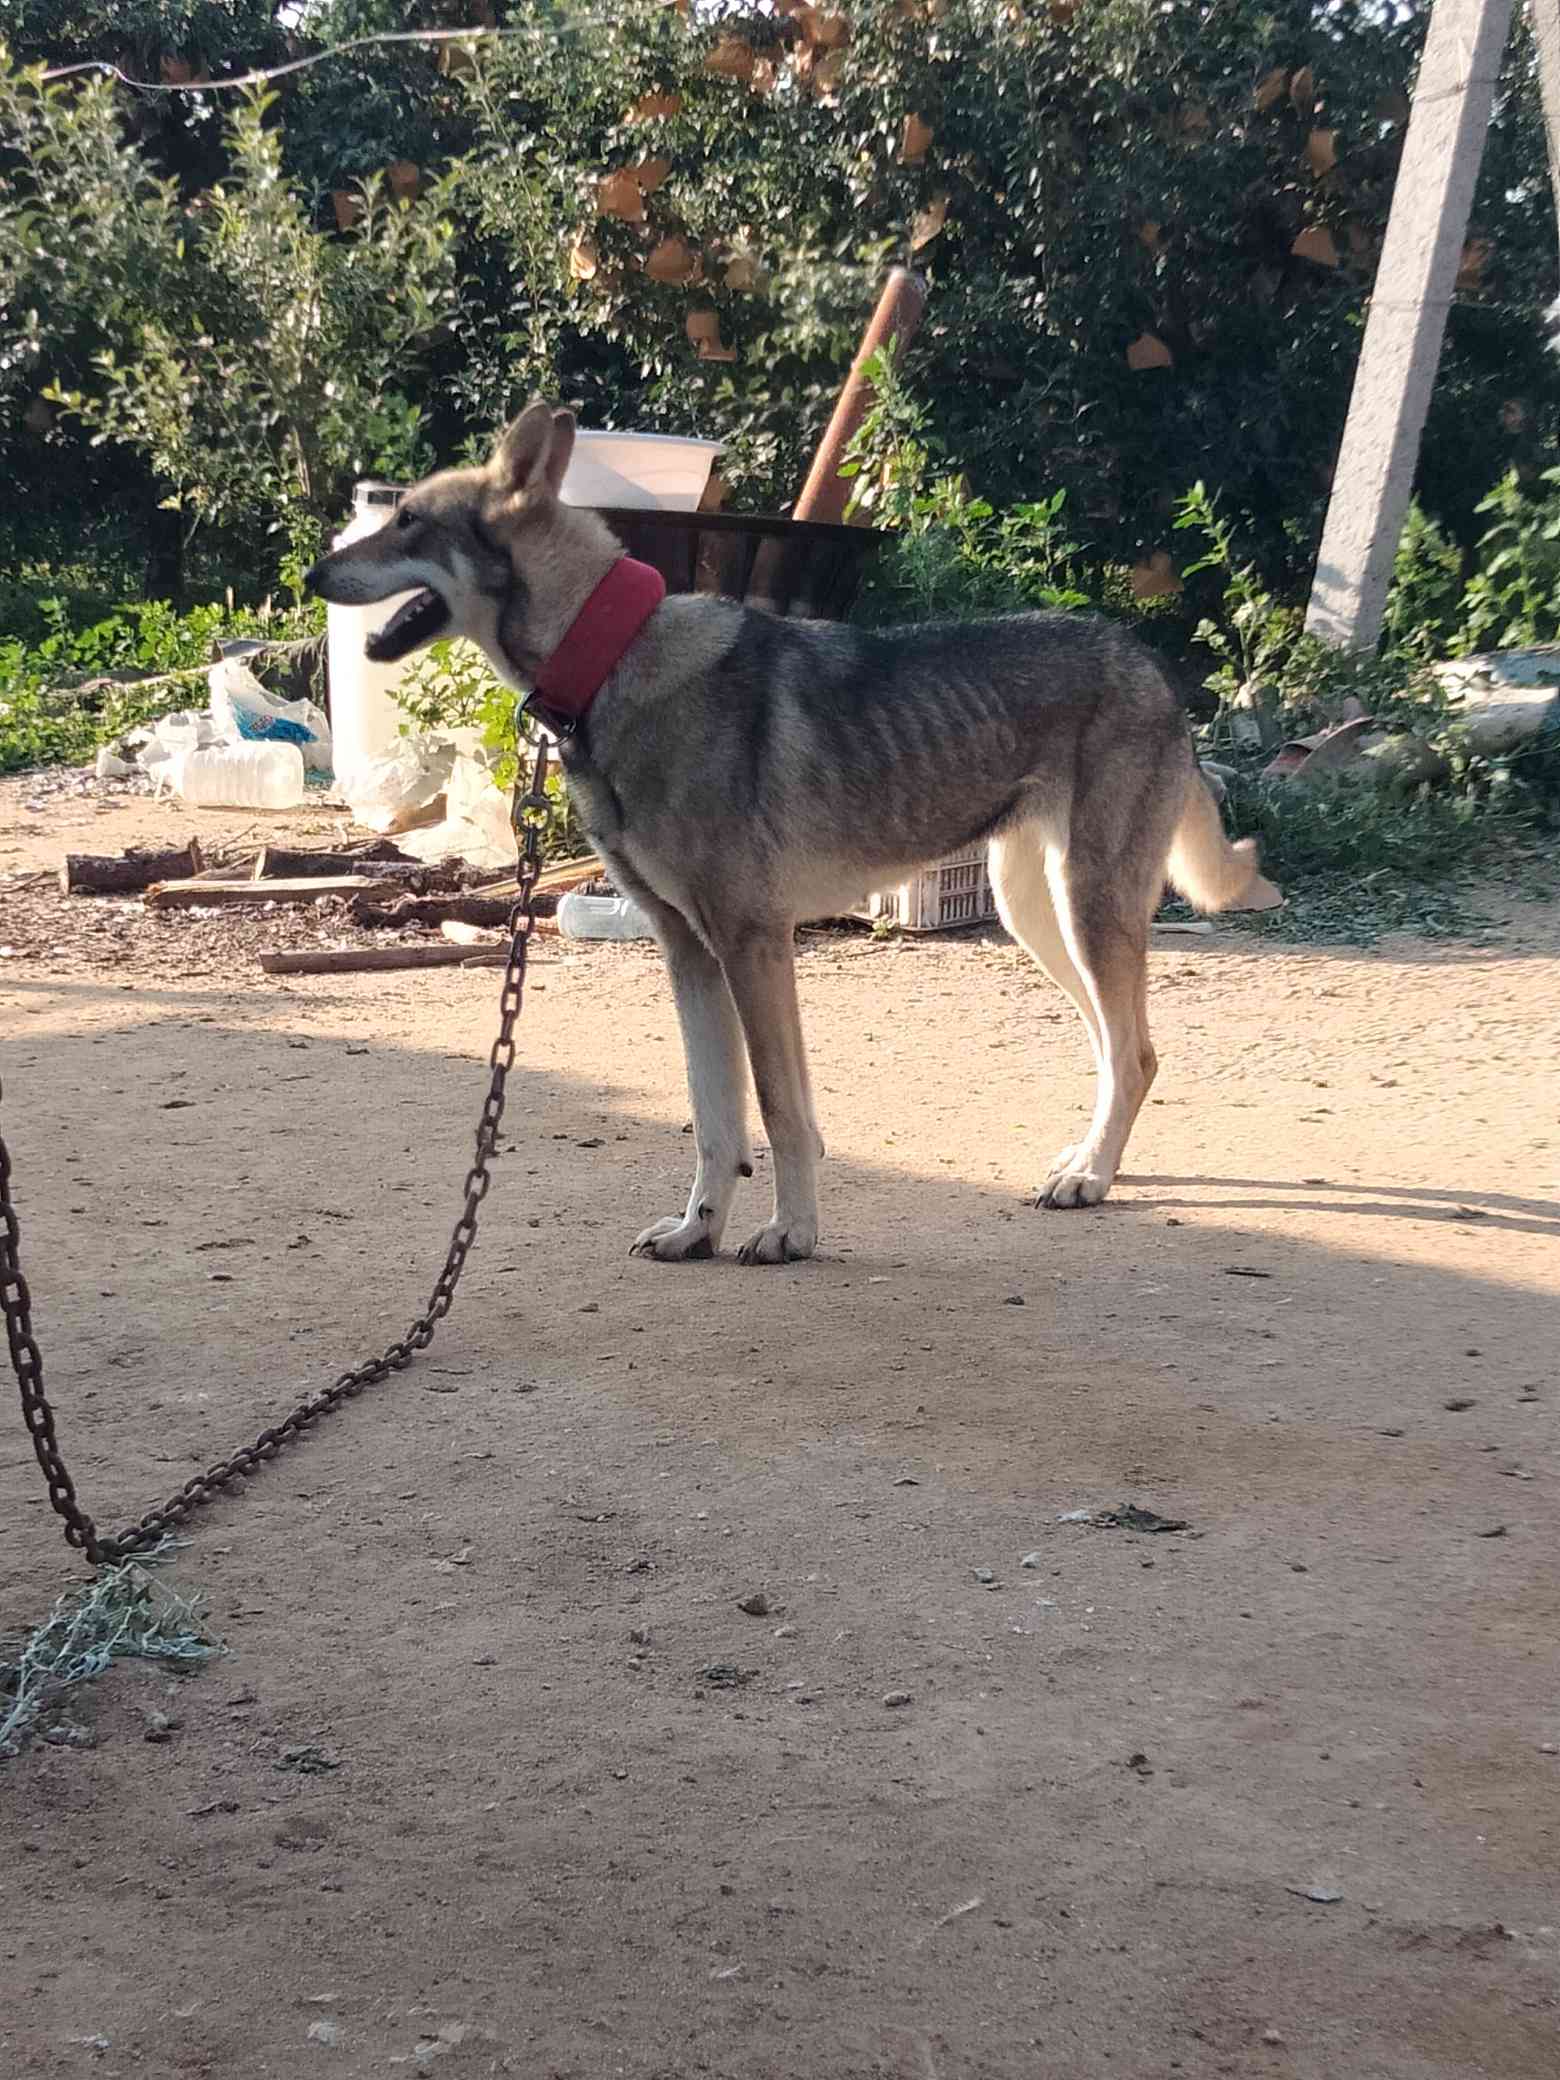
x=410, y=626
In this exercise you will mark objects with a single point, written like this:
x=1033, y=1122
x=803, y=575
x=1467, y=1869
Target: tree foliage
x=1149, y=227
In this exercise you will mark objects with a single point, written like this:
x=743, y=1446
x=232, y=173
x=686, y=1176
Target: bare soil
x=1274, y=1795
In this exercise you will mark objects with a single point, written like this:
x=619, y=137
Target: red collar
x=598, y=638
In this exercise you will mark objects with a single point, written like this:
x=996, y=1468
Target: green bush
x=1078, y=183
x=81, y=685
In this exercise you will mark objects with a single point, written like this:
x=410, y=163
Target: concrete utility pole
x=1407, y=322
x=1545, y=17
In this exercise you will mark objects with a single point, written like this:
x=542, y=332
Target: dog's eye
x=404, y=517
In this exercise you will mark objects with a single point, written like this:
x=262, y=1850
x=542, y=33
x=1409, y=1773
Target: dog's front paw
x=780, y=1242
x=675, y=1240
x=1072, y=1181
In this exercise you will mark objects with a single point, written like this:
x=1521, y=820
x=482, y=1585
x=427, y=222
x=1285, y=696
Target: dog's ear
x=562, y=448
x=520, y=460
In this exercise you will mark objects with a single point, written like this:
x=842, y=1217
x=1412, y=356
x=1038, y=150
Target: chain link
x=528, y=816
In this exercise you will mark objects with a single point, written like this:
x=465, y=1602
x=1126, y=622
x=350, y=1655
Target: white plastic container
x=643, y=470
x=601, y=917
x=240, y=776
x=365, y=723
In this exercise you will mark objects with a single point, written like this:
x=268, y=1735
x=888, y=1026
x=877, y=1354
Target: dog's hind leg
x=718, y=1088
x=1103, y=916
x=760, y=966
x=1090, y=935
x=1017, y=863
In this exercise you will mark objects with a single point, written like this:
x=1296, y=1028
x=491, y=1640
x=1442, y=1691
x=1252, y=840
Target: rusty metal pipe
x=826, y=493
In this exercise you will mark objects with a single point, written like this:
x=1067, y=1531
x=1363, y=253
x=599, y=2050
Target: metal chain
x=528, y=815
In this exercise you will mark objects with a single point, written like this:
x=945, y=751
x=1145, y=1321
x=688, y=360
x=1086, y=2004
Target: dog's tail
x=1208, y=870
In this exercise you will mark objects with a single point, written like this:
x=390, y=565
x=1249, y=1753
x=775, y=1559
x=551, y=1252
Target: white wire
x=334, y=50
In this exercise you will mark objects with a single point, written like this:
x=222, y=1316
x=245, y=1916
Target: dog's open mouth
x=418, y=622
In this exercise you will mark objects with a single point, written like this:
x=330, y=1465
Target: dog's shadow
x=1496, y=1210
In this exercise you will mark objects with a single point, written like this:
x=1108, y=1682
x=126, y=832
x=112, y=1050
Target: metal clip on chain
x=529, y=808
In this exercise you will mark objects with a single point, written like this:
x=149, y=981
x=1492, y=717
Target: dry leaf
x=1062, y=12
x=1315, y=243
x=1155, y=577
x=619, y=196
x=1476, y=255
x=827, y=73
x=831, y=32
x=655, y=105
x=650, y=173
x=914, y=141
x=1302, y=91
x=1148, y=235
x=1269, y=89
x=732, y=58
x=1148, y=350
x=583, y=259
x=1321, y=151
x=404, y=177
x=765, y=73
x=348, y=207
x=177, y=72
x=457, y=60
x=742, y=274
x=1195, y=119
x=672, y=260
x=929, y=222
x=703, y=329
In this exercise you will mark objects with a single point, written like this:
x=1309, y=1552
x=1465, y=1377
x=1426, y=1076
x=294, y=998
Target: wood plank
x=356, y=960
x=233, y=895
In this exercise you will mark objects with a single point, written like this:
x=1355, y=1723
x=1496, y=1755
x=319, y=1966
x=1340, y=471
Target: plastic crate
x=955, y=891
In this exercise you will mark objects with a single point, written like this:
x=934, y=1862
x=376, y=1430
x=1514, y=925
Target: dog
x=740, y=773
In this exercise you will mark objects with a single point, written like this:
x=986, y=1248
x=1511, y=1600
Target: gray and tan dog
x=740, y=773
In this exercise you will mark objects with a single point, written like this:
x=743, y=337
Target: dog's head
x=490, y=554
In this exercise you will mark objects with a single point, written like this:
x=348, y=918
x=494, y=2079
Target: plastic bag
x=391, y=794
x=476, y=823
x=244, y=712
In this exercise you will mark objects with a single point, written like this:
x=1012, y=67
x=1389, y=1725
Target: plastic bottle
x=601, y=917
x=365, y=723
x=241, y=776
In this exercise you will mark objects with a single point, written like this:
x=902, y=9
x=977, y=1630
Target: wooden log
x=491, y=911
x=356, y=960
x=127, y=873
x=286, y=862
x=237, y=895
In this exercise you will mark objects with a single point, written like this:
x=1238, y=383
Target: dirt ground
x=1275, y=1795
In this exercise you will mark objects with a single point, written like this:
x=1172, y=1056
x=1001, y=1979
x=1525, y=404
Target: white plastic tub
x=643, y=470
